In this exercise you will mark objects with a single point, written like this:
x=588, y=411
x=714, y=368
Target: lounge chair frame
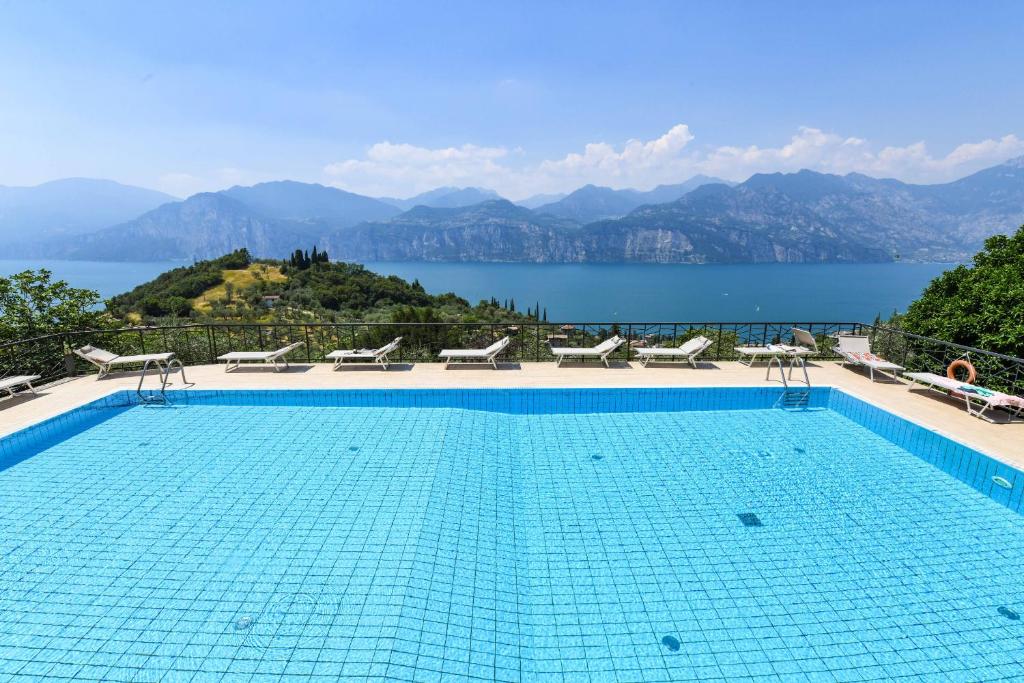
x=938, y=383
x=8, y=384
x=681, y=352
x=602, y=354
x=235, y=359
x=106, y=361
x=881, y=365
x=377, y=356
x=488, y=355
x=804, y=344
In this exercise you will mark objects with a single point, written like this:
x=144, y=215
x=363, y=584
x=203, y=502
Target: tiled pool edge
x=19, y=445
x=968, y=465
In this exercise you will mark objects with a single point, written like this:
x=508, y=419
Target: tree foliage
x=980, y=305
x=33, y=304
x=168, y=294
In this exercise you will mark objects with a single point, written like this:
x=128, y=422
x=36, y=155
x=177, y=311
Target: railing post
x=70, y=369
x=210, y=344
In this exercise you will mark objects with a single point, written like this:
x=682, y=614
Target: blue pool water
x=665, y=535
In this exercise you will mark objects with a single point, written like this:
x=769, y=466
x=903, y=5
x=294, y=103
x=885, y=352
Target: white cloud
x=404, y=169
x=407, y=169
x=636, y=156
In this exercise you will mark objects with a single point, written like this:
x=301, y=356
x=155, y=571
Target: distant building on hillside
x=270, y=300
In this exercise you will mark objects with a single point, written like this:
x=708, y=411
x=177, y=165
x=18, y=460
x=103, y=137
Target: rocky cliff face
x=203, y=225
x=500, y=231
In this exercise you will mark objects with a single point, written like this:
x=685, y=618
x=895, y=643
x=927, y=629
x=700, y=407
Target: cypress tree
x=512, y=305
x=545, y=314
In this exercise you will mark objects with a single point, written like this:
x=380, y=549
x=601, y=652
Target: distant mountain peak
x=293, y=200
x=71, y=206
x=445, y=197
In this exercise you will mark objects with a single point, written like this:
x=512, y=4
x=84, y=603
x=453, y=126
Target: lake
x=624, y=292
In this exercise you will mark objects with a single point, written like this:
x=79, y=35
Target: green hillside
x=304, y=288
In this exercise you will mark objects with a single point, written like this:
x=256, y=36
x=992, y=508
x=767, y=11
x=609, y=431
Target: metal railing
x=196, y=344
x=925, y=354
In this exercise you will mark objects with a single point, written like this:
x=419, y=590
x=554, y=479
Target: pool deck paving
x=935, y=411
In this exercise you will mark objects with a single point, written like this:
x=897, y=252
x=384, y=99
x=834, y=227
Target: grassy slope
x=240, y=280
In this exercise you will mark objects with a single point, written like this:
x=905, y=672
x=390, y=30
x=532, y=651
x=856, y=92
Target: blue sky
x=523, y=97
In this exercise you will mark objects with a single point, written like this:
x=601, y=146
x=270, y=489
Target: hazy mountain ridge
x=794, y=217
x=290, y=200
x=71, y=206
x=593, y=203
x=217, y=224
x=445, y=198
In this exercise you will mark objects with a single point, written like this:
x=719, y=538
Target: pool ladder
x=792, y=398
x=164, y=375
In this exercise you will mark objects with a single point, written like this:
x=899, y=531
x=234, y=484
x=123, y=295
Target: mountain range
x=445, y=198
x=70, y=206
x=796, y=217
x=592, y=203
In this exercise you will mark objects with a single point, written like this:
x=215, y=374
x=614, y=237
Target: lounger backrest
x=498, y=345
x=389, y=347
x=94, y=354
x=854, y=343
x=694, y=345
x=805, y=338
x=608, y=344
x=285, y=349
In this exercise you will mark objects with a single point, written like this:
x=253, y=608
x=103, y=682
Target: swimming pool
x=633, y=535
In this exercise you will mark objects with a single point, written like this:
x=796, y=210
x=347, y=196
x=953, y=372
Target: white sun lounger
x=972, y=394
x=379, y=356
x=804, y=345
x=9, y=383
x=856, y=350
x=687, y=351
x=601, y=351
x=488, y=355
x=236, y=358
x=107, y=361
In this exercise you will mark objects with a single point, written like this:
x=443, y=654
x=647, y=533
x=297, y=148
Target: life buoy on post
x=972, y=374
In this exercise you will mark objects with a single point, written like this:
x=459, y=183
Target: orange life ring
x=972, y=374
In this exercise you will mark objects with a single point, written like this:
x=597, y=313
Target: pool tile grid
x=468, y=544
